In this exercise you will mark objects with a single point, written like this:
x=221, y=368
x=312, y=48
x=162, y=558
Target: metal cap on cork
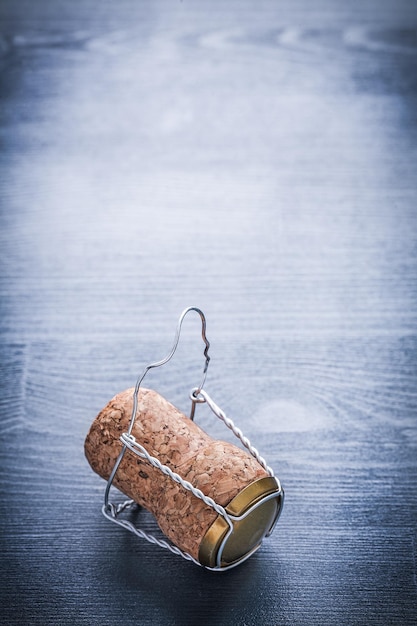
x=253, y=513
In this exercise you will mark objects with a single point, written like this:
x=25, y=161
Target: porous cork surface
x=221, y=470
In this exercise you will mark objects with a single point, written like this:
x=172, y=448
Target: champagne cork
x=222, y=471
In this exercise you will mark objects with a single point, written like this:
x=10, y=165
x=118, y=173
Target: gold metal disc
x=249, y=531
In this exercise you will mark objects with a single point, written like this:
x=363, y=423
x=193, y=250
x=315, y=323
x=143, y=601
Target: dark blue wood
x=255, y=159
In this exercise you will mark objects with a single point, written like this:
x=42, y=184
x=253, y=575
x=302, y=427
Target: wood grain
x=256, y=160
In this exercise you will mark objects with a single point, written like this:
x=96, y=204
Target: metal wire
x=129, y=442
x=111, y=512
x=159, y=364
x=170, y=355
x=197, y=395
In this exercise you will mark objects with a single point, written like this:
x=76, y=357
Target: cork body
x=221, y=470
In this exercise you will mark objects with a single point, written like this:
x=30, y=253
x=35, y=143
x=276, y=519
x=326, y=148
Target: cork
x=219, y=469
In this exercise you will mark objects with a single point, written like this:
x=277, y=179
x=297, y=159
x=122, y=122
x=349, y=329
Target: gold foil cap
x=257, y=508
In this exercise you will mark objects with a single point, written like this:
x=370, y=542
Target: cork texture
x=220, y=469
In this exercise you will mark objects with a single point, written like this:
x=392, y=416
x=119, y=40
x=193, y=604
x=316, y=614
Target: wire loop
x=159, y=364
x=197, y=396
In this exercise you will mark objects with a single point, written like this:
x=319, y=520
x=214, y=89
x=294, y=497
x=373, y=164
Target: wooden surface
x=255, y=159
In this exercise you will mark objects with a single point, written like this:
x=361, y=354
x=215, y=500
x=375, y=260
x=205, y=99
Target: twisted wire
x=111, y=512
x=231, y=425
x=130, y=442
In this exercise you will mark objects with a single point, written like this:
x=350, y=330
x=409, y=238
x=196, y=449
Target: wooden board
x=255, y=159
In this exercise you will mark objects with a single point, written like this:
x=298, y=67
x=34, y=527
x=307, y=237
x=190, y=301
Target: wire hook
x=194, y=398
x=169, y=356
